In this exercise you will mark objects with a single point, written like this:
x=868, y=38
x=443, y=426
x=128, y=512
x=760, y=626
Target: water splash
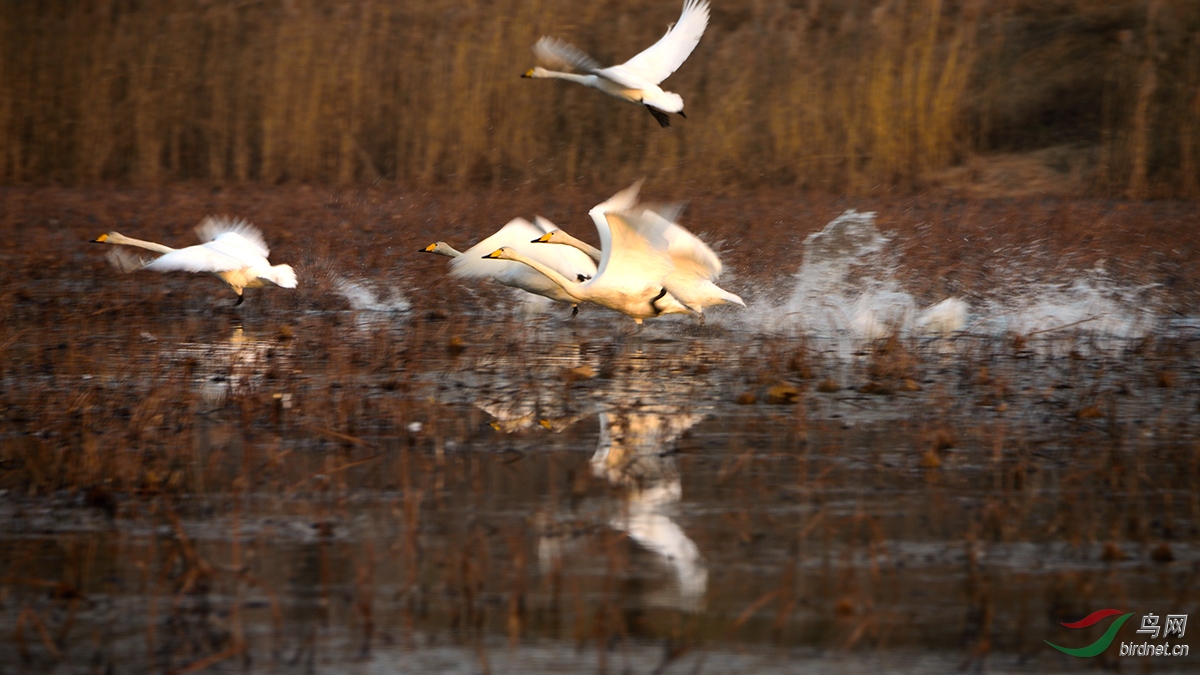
x=368, y=296
x=1092, y=303
x=848, y=286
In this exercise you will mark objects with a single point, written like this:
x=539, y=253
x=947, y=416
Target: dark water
x=400, y=492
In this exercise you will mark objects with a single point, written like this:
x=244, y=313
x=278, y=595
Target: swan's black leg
x=682, y=115
x=574, y=311
x=658, y=297
x=661, y=117
x=240, y=300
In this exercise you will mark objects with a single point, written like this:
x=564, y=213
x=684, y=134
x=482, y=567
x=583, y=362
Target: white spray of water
x=1092, y=303
x=847, y=286
x=847, y=283
x=368, y=296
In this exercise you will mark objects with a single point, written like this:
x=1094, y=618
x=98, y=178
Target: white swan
x=695, y=266
x=629, y=278
x=442, y=248
x=566, y=261
x=637, y=79
x=233, y=250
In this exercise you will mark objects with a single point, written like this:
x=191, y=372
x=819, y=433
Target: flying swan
x=695, y=267
x=629, y=278
x=564, y=260
x=233, y=250
x=637, y=79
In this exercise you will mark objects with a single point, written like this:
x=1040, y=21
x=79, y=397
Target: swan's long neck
x=569, y=287
x=591, y=251
x=118, y=238
x=542, y=73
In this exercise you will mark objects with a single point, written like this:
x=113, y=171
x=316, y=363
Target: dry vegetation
x=841, y=95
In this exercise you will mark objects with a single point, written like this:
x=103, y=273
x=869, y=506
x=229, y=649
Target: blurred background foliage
x=834, y=95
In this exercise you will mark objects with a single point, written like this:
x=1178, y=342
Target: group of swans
x=637, y=79
x=647, y=265
x=519, y=234
x=232, y=250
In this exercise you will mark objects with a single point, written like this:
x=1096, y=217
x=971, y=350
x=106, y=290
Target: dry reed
x=850, y=95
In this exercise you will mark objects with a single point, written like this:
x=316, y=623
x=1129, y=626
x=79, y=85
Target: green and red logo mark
x=1105, y=640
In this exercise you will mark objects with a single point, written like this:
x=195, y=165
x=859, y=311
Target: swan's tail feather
x=281, y=275
x=731, y=298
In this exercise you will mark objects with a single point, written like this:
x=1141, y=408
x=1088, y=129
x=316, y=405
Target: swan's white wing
x=624, y=200
x=664, y=57
x=519, y=234
x=244, y=235
x=636, y=256
x=247, y=251
x=126, y=260
x=200, y=258
x=568, y=260
x=555, y=54
x=670, y=212
x=576, y=263
x=688, y=253
x=544, y=224
x=471, y=264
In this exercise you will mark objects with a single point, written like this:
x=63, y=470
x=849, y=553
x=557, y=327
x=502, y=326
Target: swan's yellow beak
x=528, y=73
x=544, y=239
x=101, y=239
x=494, y=254
x=546, y=424
x=429, y=248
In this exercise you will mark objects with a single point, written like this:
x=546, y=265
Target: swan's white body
x=694, y=265
x=637, y=79
x=629, y=277
x=233, y=250
x=566, y=261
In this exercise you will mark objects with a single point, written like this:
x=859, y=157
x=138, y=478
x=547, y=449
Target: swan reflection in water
x=519, y=396
x=558, y=385
x=634, y=454
x=237, y=366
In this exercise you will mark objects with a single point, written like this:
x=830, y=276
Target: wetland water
x=556, y=503
x=282, y=489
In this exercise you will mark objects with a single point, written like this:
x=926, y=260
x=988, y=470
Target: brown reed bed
x=850, y=96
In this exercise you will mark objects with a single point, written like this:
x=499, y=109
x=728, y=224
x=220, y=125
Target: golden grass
x=839, y=96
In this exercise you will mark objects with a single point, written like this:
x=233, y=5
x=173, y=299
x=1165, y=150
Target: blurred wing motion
x=559, y=55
